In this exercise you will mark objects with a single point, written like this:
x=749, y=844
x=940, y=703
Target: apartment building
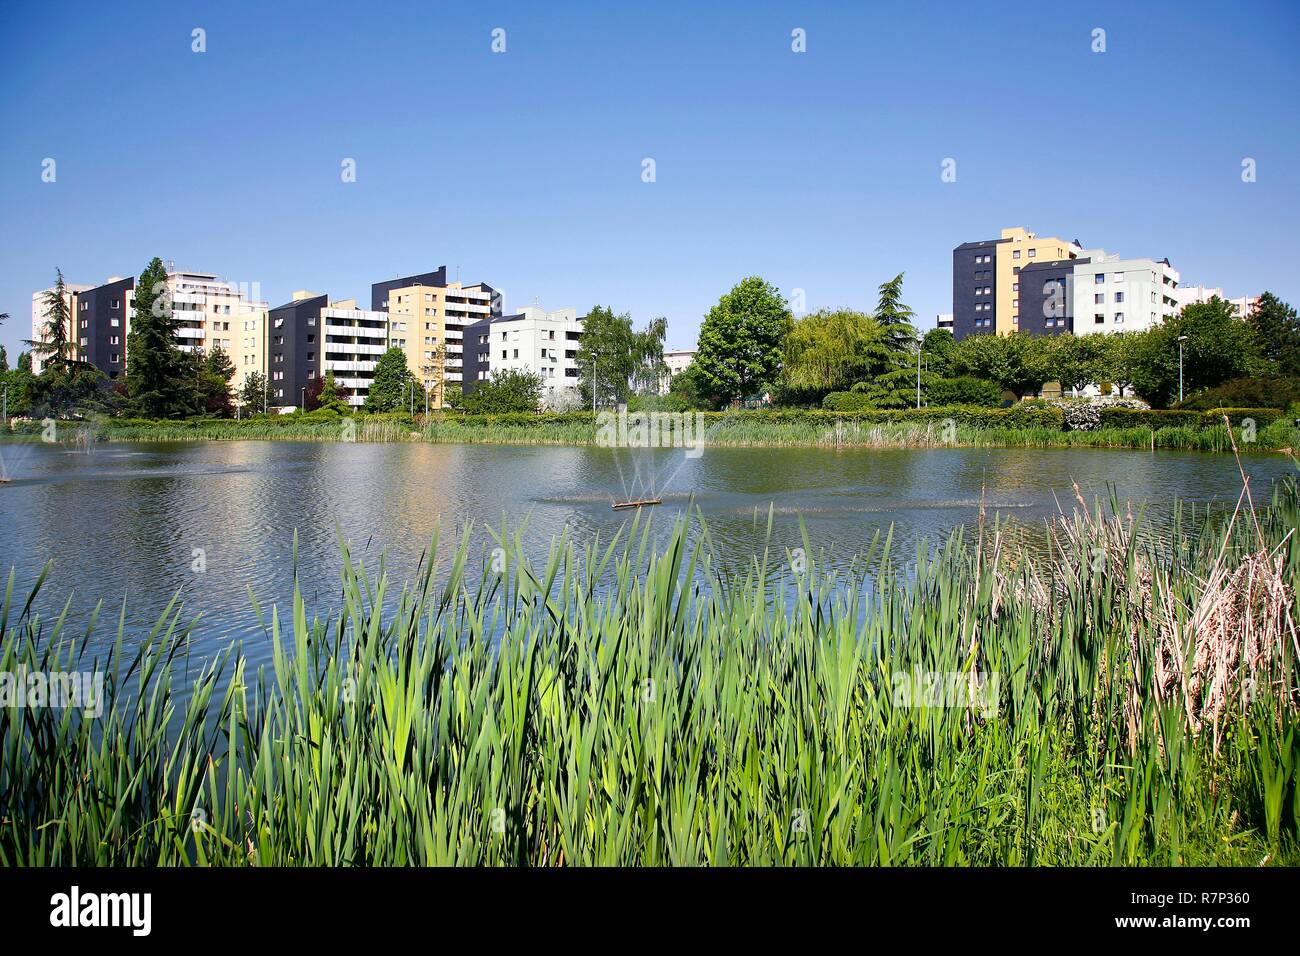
x=40, y=322
x=986, y=279
x=1195, y=294
x=677, y=361
x=531, y=340
x=1113, y=294
x=293, y=347
x=354, y=340
x=427, y=319
x=210, y=312
x=310, y=337
x=1096, y=292
x=943, y=321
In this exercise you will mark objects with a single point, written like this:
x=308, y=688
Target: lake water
x=126, y=519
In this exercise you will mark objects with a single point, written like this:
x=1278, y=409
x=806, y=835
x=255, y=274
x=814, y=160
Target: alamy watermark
x=968, y=690
x=652, y=430
x=83, y=690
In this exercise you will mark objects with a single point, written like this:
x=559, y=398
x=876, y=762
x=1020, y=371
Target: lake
x=128, y=519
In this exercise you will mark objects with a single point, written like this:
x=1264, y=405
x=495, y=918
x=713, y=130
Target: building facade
x=531, y=340
x=428, y=319
x=354, y=340
x=986, y=279
x=40, y=321
x=677, y=361
x=1113, y=294
x=292, y=348
x=1195, y=294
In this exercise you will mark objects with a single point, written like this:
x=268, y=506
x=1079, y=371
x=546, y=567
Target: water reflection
x=132, y=520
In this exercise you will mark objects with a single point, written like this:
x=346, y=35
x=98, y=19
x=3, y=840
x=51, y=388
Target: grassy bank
x=930, y=428
x=1115, y=702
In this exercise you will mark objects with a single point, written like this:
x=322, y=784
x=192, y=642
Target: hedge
x=1158, y=418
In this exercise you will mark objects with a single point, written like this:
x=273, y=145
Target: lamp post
x=303, y=409
x=918, y=373
x=6, y=407
x=1181, y=340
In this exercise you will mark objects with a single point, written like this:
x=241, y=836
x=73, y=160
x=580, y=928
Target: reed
x=750, y=429
x=1126, y=698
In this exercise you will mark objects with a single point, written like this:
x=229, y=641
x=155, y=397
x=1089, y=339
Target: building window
x=1119, y=296
x=1033, y=253
x=1098, y=319
x=1098, y=298
x=1119, y=316
x=1015, y=287
x=1015, y=253
x=1099, y=278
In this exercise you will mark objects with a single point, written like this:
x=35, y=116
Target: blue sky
x=818, y=171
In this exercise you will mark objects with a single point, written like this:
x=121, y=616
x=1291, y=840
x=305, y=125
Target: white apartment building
x=677, y=361
x=354, y=340
x=943, y=321
x=1111, y=294
x=1194, y=294
x=533, y=340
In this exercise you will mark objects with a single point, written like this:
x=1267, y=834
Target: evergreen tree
x=1277, y=330
x=894, y=316
x=4, y=359
x=159, y=376
x=55, y=347
x=390, y=389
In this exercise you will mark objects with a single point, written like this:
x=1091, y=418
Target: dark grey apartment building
x=1046, y=295
x=99, y=325
x=293, y=348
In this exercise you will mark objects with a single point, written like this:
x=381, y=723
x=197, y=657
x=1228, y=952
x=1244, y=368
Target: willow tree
x=831, y=350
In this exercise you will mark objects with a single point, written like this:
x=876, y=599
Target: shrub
x=1270, y=391
x=1117, y=417
x=1261, y=416
x=964, y=390
x=1081, y=416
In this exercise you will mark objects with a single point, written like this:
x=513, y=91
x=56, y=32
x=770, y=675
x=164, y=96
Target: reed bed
x=1120, y=700
x=748, y=430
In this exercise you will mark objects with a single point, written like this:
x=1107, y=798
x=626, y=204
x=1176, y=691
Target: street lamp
x=1181, y=340
x=918, y=372
x=303, y=410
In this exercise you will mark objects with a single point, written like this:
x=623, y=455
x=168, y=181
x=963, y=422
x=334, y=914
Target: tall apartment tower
x=986, y=279
x=427, y=320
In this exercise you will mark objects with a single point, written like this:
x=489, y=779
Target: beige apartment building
x=427, y=321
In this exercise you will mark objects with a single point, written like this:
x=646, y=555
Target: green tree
x=159, y=376
x=4, y=359
x=829, y=351
x=606, y=356
x=1075, y=361
x=213, y=373
x=1277, y=330
x=1015, y=362
x=253, y=392
x=390, y=390
x=55, y=348
x=1218, y=347
x=505, y=391
x=1118, y=360
x=894, y=316
x=938, y=347
x=741, y=340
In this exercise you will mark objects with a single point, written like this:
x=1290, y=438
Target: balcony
x=188, y=333
x=349, y=365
